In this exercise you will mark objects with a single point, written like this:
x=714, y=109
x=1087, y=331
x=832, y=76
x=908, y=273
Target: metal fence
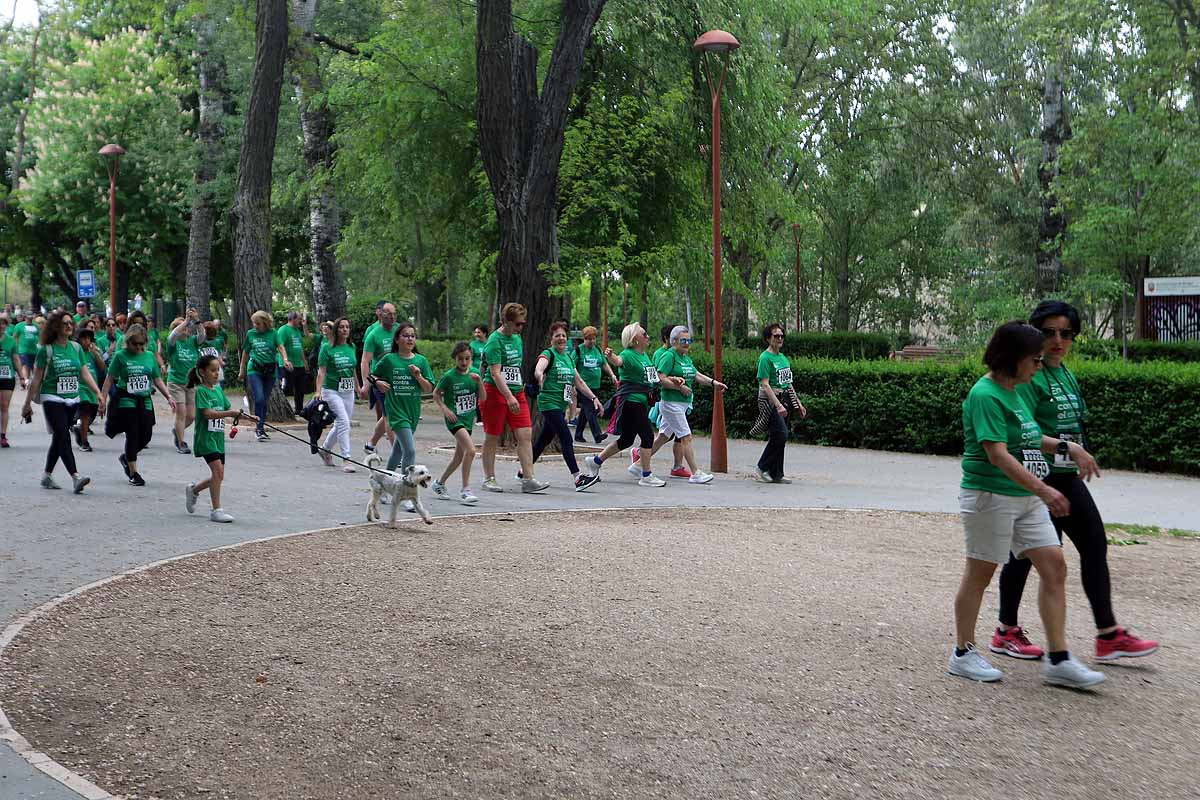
x=1172, y=319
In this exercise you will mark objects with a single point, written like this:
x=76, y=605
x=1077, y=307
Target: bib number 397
x=1035, y=463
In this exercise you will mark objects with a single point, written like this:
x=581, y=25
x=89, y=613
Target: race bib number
x=346, y=384
x=68, y=385
x=216, y=425
x=651, y=376
x=568, y=394
x=591, y=362
x=210, y=351
x=1065, y=461
x=511, y=375
x=464, y=404
x=137, y=384
x=5, y=371
x=785, y=377
x=1035, y=463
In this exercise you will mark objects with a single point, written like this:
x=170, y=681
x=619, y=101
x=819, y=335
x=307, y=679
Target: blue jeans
x=259, y=384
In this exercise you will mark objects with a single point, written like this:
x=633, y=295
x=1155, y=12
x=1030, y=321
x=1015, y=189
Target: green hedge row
x=838, y=345
x=1143, y=416
x=1141, y=350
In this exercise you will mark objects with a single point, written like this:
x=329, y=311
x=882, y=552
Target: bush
x=839, y=345
x=1141, y=416
x=1140, y=350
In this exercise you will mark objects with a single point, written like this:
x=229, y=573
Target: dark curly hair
x=1012, y=343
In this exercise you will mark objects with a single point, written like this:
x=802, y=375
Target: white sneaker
x=220, y=515
x=533, y=486
x=466, y=498
x=635, y=467
x=48, y=483
x=764, y=476
x=1071, y=673
x=700, y=476
x=652, y=480
x=408, y=506
x=189, y=498
x=439, y=490
x=78, y=482
x=492, y=485
x=973, y=666
x=589, y=464
x=349, y=468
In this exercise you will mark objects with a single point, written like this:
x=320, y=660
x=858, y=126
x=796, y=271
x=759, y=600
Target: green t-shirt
x=992, y=413
x=86, y=395
x=403, y=402
x=509, y=353
x=135, y=374
x=637, y=368
x=558, y=388
x=378, y=342
x=153, y=342
x=28, y=344
x=8, y=348
x=182, y=354
x=476, y=354
x=102, y=342
x=339, y=367
x=293, y=344
x=209, y=436
x=674, y=365
x=1058, y=408
x=262, y=349
x=776, y=368
x=589, y=361
x=61, y=377
x=460, y=393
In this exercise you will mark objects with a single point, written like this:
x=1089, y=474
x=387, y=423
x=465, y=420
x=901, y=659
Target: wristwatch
x=1064, y=448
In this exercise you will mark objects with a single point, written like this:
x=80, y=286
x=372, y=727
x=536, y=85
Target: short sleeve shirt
x=135, y=374
x=558, y=386
x=1057, y=404
x=209, y=436
x=28, y=344
x=675, y=365
x=776, y=368
x=590, y=363
x=339, y=367
x=182, y=354
x=403, y=402
x=637, y=368
x=992, y=413
x=509, y=353
x=261, y=347
x=8, y=347
x=61, y=377
x=461, y=394
x=293, y=344
x=477, y=354
x=378, y=342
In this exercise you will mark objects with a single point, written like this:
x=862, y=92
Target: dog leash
x=310, y=445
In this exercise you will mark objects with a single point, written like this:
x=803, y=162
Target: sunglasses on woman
x=1066, y=333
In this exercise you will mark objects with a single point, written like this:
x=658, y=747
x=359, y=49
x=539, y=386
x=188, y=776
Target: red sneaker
x=1124, y=645
x=1014, y=643
x=681, y=472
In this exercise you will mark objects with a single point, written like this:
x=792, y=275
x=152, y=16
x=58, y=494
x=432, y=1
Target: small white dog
x=397, y=486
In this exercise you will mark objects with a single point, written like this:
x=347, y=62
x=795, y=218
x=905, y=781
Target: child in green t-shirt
x=208, y=442
x=463, y=388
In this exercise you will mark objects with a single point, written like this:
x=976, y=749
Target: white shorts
x=672, y=419
x=996, y=524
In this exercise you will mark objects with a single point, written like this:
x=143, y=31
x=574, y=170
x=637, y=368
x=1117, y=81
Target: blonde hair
x=590, y=330
x=263, y=316
x=135, y=334
x=631, y=330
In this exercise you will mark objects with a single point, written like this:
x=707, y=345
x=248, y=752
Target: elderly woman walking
x=777, y=399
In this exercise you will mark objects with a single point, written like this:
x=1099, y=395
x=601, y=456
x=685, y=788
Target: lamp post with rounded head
x=720, y=43
x=112, y=158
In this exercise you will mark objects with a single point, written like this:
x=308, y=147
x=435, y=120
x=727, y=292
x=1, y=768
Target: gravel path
x=672, y=654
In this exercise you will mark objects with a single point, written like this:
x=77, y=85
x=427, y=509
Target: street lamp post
x=722, y=44
x=799, y=278
x=112, y=158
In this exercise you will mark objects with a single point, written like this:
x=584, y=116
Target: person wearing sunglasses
x=676, y=403
x=777, y=399
x=1006, y=505
x=506, y=403
x=1054, y=396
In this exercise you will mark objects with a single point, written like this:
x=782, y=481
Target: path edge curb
x=90, y=791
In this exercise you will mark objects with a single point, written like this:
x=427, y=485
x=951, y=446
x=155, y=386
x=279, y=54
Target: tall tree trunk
x=252, y=199
x=521, y=140
x=316, y=124
x=1141, y=272
x=687, y=305
x=595, y=311
x=1056, y=129
x=841, y=308
x=210, y=132
x=644, y=316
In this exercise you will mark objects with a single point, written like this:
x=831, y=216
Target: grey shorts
x=995, y=524
x=184, y=397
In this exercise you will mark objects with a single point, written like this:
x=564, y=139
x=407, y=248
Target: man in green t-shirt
x=291, y=337
x=377, y=343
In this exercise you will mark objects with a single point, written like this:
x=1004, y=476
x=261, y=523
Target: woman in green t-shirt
x=590, y=361
x=676, y=404
x=403, y=375
x=479, y=338
x=183, y=345
x=338, y=384
x=259, y=351
x=208, y=439
x=559, y=381
x=11, y=371
x=1003, y=502
x=57, y=374
x=93, y=362
x=135, y=373
x=631, y=420
x=458, y=395
x=777, y=399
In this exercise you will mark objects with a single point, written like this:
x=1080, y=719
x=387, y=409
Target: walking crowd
x=1015, y=504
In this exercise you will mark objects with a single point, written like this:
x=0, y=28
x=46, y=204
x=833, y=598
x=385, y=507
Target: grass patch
x=1126, y=534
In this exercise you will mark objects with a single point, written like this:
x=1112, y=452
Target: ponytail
x=202, y=363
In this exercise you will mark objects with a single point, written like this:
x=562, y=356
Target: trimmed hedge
x=1141, y=350
x=838, y=345
x=1144, y=417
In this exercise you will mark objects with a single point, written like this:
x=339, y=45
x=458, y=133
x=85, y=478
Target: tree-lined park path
x=55, y=541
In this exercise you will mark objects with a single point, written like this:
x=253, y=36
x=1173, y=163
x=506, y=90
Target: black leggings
x=139, y=427
x=294, y=381
x=771, y=460
x=1085, y=528
x=634, y=422
x=59, y=417
x=591, y=416
x=554, y=423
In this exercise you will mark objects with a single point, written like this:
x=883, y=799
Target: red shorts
x=496, y=413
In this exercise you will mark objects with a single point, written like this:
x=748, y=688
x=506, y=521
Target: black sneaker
x=136, y=480
x=368, y=448
x=124, y=464
x=585, y=481
x=85, y=447
x=603, y=436
x=183, y=448
x=78, y=440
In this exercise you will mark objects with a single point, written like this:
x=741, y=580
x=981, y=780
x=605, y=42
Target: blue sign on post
x=85, y=283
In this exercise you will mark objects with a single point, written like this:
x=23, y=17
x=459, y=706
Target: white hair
x=631, y=330
x=676, y=332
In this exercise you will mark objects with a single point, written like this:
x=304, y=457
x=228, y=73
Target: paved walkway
x=55, y=541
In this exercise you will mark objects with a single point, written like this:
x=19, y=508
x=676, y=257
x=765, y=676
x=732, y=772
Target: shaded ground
x=640, y=654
